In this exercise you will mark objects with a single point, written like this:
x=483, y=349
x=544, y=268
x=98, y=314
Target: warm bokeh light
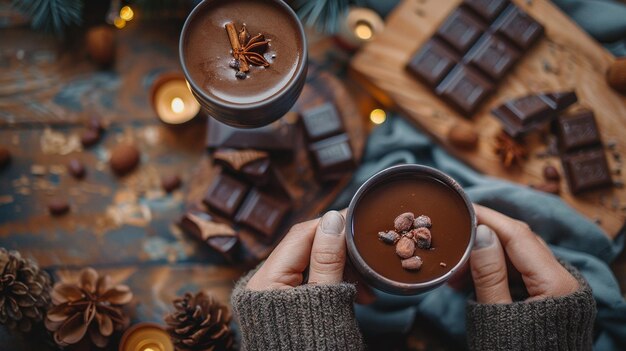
x=363, y=31
x=126, y=13
x=178, y=105
x=119, y=23
x=378, y=116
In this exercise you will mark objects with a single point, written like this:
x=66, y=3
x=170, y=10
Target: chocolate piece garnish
x=124, y=159
x=518, y=27
x=412, y=263
x=422, y=221
x=404, y=222
x=225, y=195
x=262, y=213
x=247, y=51
x=275, y=137
x=487, y=9
x=170, y=183
x=463, y=136
x=389, y=237
x=5, y=157
x=586, y=170
x=89, y=137
x=236, y=159
x=578, y=130
x=460, y=30
x=58, y=207
x=218, y=236
x=76, y=168
x=405, y=247
x=492, y=56
x=465, y=89
x=332, y=157
x=322, y=122
x=432, y=62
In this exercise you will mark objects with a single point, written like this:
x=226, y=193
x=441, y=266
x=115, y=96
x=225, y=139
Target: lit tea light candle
x=361, y=25
x=172, y=99
x=146, y=337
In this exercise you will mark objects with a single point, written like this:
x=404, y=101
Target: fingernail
x=484, y=237
x=332, y=223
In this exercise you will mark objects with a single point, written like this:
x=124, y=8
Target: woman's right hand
x=498, y=235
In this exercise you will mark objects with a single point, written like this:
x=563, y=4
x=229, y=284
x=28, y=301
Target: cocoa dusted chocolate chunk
x=262, y=213
x=587, y=170
x=226, y=195
x=58, y=207
x=412, y=263
x=389, y=237
x=124, y=159
x=5, y=157
x=404, y=222
x=202, y=226
x=170, y=183
x=321, y=122
x=405, y=247
x=76, y=168
x=578, y=130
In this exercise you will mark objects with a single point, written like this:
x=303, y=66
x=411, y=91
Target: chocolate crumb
x=76, y=168
x=413, y=263
x=58, y=207
x=404, y=222
x=170, y=183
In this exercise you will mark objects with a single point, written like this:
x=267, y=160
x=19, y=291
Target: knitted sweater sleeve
x=308, y=317
x=560, y=323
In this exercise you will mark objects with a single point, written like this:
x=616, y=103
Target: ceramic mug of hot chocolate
x=245, y=60
x=409, y=229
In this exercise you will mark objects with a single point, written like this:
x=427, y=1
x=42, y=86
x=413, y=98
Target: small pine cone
x=24, y=292
x=200, y=323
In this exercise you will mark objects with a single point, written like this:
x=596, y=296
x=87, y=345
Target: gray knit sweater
x=321, y=317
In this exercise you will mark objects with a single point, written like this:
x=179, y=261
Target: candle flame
x=178, y=105
x=363, y=31
x=378, y=116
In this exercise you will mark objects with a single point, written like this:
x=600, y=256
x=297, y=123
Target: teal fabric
x=572, y=237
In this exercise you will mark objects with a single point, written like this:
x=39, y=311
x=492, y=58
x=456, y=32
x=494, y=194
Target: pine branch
x=52, y=16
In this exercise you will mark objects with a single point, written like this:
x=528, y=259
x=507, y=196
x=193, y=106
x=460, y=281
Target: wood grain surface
x=565, y=59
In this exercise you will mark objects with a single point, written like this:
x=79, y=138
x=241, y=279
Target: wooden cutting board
x=565, y=58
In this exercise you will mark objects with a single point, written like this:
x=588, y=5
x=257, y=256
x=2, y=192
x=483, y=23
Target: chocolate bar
x=225, y=195
x=521, y=115
x=586, y=170
x=577, y=131
x=262, y=212
x=322, y=122
x=472, y=50
x=332, y=157
x=219, y=236
x=275, y=137
x=253, y=165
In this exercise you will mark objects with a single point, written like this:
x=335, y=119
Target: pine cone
x=24, y=291
x=90, y=308
x=200, y=323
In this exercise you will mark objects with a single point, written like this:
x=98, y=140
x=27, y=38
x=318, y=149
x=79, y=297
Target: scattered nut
x=405, y=247
x=413, y=264
x=89, y=137
x=422, y=222
x=76, y=168
x=170, y=183
x=404, y=222
x=390, y=237
x=551, y=173
x=58, y=207
x=463, y=136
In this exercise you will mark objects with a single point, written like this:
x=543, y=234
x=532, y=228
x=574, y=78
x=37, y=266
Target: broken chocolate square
x=225, y=195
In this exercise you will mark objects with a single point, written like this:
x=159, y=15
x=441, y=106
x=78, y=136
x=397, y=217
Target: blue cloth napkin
x=571, y=236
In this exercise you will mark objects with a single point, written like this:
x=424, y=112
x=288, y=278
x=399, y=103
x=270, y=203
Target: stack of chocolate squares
x=472, y=50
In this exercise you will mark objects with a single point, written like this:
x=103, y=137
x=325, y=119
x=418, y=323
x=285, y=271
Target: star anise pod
x=90, y=308
x=247, y=51
x=510, y=151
